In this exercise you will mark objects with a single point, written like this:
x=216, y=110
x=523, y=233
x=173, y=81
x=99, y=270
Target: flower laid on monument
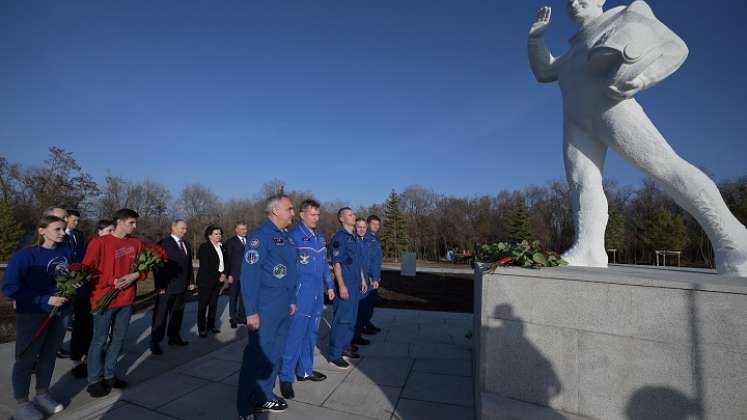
x=150, y=257
x=67, y=283
x=517, y=254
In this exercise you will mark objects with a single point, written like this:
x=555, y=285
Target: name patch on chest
x=278, y=241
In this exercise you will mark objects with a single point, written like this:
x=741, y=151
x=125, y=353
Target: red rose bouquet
x=150, y=257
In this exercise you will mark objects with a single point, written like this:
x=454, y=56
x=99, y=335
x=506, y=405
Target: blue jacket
x=269, y=274
x=313, y=270
x=31, y=277
x=346, y=251
x=374, y=264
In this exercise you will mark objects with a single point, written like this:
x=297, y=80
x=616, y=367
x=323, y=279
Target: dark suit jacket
x=235, y=250
x=207, y=274
x=177, y=273
x=77, y=245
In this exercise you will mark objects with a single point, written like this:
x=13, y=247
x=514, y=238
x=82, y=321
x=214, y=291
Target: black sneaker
x=372, y=327
x=233, y=324
x=314, y=377
x=286, y=389
x=277, y=405
x=156, y=349
x=117, y=383
x=360, y=341
x=350, y=355
x=340, y=364
x=62, y=354
x=367, y=331
x=99, y=389
x=80, y=371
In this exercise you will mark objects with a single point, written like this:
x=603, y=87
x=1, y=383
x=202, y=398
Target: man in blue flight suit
x=269, y=278
x=349, y=279
x=313, y=278
x=374, y=275
x=364, y=245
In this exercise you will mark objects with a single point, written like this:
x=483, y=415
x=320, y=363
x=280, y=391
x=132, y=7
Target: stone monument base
x=627, y=342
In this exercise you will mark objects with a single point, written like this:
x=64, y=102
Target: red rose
x=505, y=260
x=75, y=267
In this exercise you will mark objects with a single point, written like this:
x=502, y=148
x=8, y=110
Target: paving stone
x=391, y=371
x=213, y=369
x=211, y=402
x=456, y=390
x=315, y=392
x=364, y=399
x=455, y=367
x=386, y=349
x=131, y=411
x=439, y=351
x=162, y=389
x=422, y=410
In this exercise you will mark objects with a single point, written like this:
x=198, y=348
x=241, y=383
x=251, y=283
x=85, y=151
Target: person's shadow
x=521, y=371
x=661, y=403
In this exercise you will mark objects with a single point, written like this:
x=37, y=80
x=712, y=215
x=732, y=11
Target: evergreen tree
x=614, y=236
x=662, y=231
x=394, y=232
x=10, y=231
x=519, y=228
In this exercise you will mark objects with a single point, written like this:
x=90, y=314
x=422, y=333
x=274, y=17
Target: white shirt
x=220, y=256
x=180, y=246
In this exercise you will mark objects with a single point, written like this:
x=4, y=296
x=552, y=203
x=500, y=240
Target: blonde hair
x=43, y=223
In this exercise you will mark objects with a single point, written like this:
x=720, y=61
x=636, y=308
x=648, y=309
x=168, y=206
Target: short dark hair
x=239, y=224
x=305, y=204
x=124, y=214
x=75, y=213
x=360, y=219
x=373, y=217
x=103, y=223
x=209, y=230
x=339, y=212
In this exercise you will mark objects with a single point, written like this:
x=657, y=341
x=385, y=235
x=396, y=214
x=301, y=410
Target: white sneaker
x=27, y=411
x=47, y=404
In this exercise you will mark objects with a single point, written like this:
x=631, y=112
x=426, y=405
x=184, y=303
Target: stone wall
x=617, y=343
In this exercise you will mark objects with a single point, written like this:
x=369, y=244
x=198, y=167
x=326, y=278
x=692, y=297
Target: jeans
x=43, y=353
x=102, y=356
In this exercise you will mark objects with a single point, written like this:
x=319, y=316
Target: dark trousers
x=80, y=339
x=365, y=311
x=169, y=309
x=236, y=303
x=207, y=301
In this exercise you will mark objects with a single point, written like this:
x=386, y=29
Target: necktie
x=243, y=241
x=181, y=246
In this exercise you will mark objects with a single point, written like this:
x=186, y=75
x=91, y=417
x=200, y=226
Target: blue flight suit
x=313, y=274
x=373, y=256
x=346, y=252
x=269, y=279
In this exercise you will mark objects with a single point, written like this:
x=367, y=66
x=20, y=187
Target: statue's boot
x=585, y=256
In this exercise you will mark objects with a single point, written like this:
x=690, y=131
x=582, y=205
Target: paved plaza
x=418, y=367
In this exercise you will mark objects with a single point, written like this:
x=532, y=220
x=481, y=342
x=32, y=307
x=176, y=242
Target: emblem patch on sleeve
x=304, y=258
x=254, y=243
x=279, y=271
x=251, y=256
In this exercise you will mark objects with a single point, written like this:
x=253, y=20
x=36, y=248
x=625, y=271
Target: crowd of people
x=277, y=277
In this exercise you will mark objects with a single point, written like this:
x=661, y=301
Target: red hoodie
x=112, y=258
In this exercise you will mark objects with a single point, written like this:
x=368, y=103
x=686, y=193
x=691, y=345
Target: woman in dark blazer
x=214, y=267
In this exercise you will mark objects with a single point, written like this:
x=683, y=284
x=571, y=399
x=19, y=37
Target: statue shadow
x=520, y=370
x=661, y=403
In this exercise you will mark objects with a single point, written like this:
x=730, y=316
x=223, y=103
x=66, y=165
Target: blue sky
x=347, y=99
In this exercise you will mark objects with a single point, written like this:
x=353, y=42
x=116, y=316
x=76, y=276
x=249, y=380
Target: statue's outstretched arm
x=540, y=59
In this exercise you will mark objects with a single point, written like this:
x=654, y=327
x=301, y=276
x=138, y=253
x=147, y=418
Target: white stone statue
x=614, y=55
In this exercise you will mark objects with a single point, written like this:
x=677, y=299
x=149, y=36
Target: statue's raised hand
x=541, y=22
